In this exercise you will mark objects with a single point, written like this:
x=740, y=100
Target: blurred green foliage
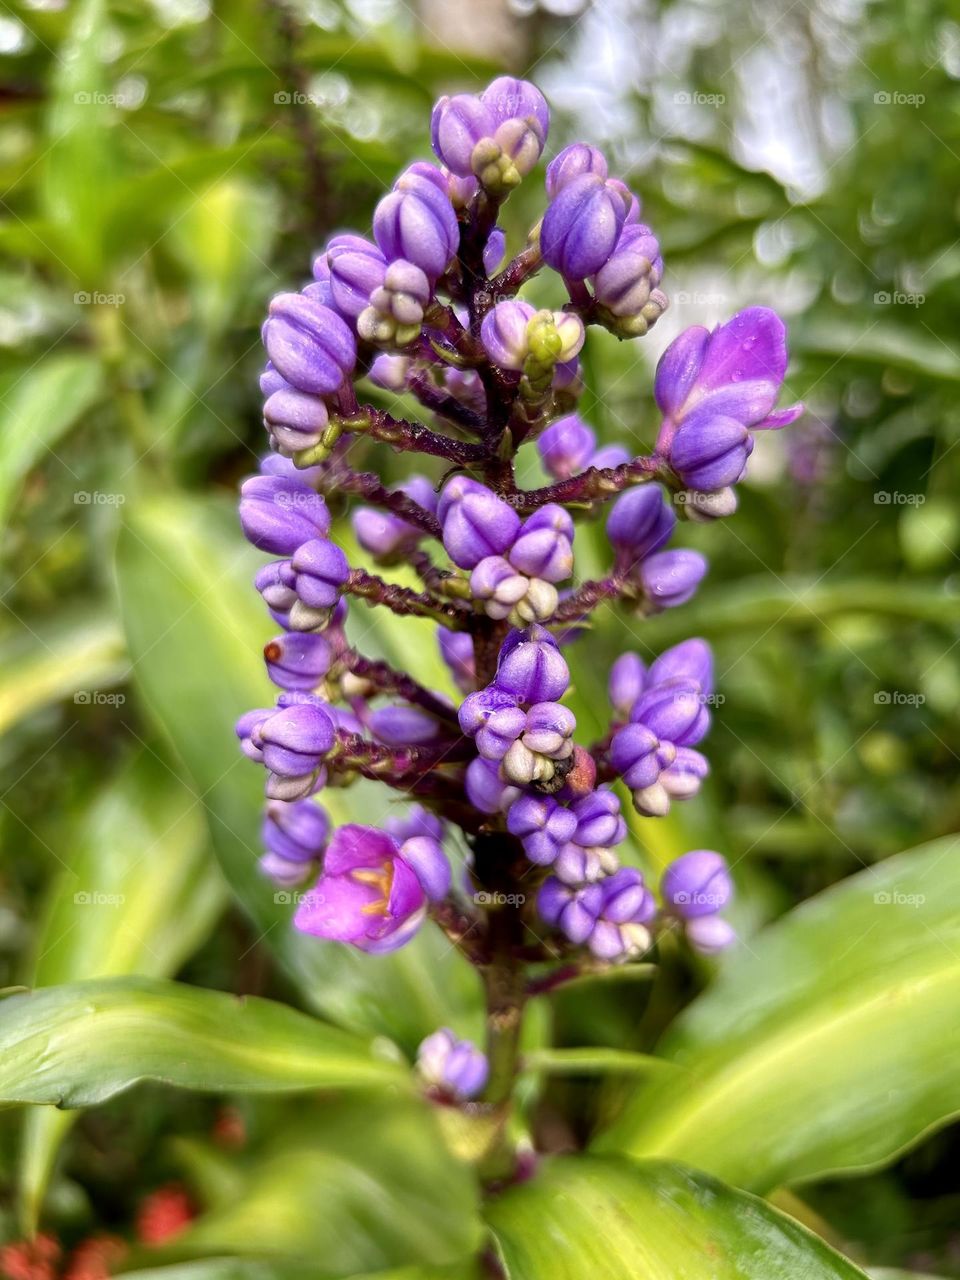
x=166, y=166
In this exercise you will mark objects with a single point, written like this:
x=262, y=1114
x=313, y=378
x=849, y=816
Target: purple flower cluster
x=514, y=565
x=416, y=310
x=667, y=713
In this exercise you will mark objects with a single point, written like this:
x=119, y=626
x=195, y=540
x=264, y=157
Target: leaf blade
x=70, y=1046
x=603, y=1218
x=848, y=1001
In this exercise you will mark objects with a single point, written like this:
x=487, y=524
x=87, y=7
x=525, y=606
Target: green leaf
x=593, y=1061
x=78, y=171
x=79, y=651
x=39, y=406
x=284, y=1269
x=607, y=1219
x=79, y=1044
x=139, y=895
x=790, y=1062
x=357, y=1185
x=883, y=343
x=756, y=604
x=195, y=629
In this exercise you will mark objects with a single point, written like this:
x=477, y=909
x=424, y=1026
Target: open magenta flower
x=713, y=388
x=370, y=894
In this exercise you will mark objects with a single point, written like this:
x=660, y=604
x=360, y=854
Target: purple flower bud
x=368, y=895
x=625, y=287
x=310, y=345
x=456, y=126
x=698, y=884
x=630, y=199
x=275, y=582
x=295, y=836
x=400, y=725
x=572, y=163
x=455, y=1066
x=599, y=822
x=279, y=514
x=710, y=934
x=247, y=726
x=485, y=789
x=681, y=779
x=294, y=419
x=689, y=660
x=542, y=825
x=671, y=577
x=500, y=732
x=294, y=741
x=640, y=522
x=634, y=756
x=495, y=581
x=396, y=308
x=532, y=668
x=477, y=708
x=504, y=333
x=415, y=821
x=675, y=711
x=576, y=864
x=417, y=222
x=581, y=227
x=456, y=650
x=321, y=569
x=548, y=730
x=573, y=910
x=275, y=464
x=628, y=907
x=357, y=268
x=626, y=899
x=708, y=451
x=494, y=250
x=628, y=677
x=426, y=856
x=390, y=372
x=544, y=548
x=566, y=446
x=511, y=99
x=476, y=524
x=298, y=660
